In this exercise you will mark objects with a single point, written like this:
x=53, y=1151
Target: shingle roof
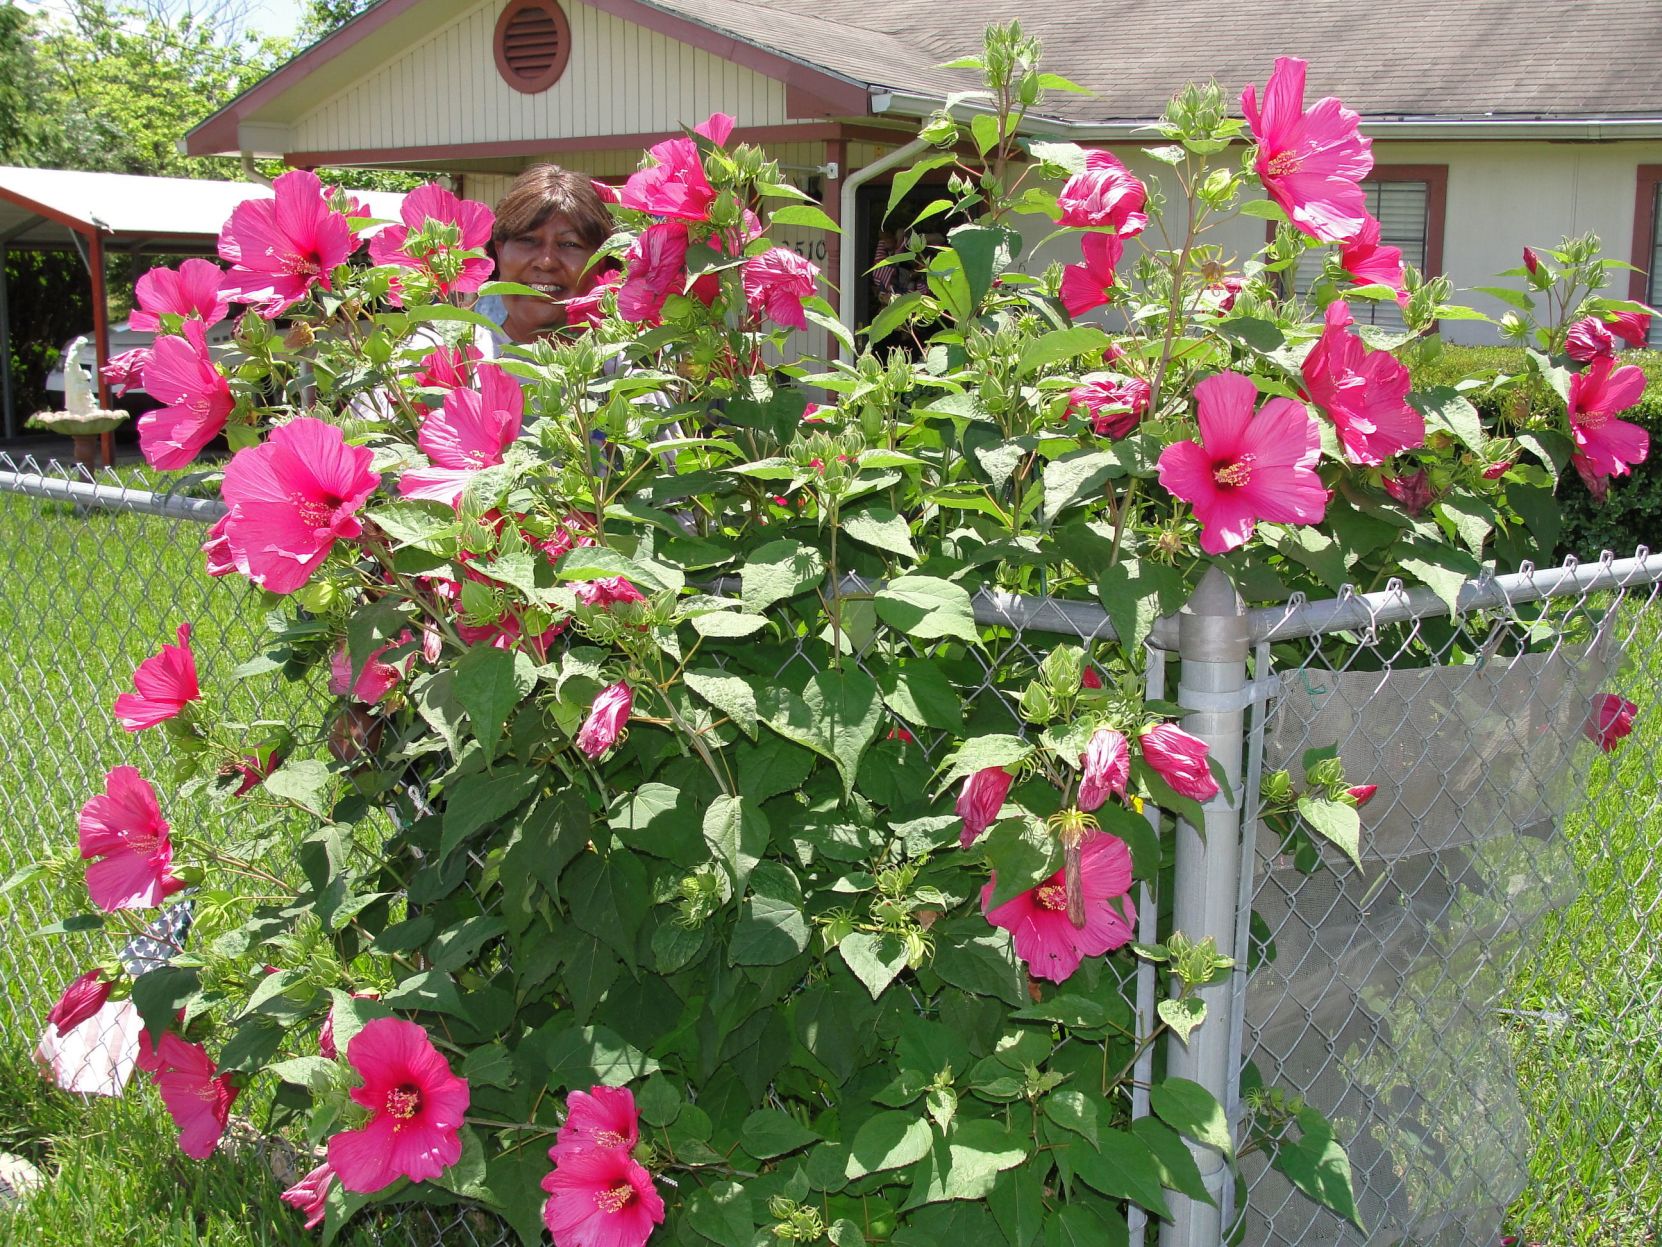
x=1403, y=58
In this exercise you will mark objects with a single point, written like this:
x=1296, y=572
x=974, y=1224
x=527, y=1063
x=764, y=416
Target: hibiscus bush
x=682, y=853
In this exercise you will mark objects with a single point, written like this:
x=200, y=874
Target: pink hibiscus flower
x=1365, y=394
x=448, y=367
x=80, y=1000
x=374, y=681
x=1106, y=193
x=292, y=497
x=124, y=828
x=1413, y=490
x=1311, y=163
x=416, y=1107
x=166, y=683
x=462, y=225
x=1604, y=445
x=601, y=1198
x=776, y=282
x=608, y=591
x=1106, y=767
x=606, y=720
x=1114, y=407
x=1372, y=265
x=607, y=193
x=1631, y=327
x=471, y=433
x=717, y=127
x=1090, y=284
x=585, y=311
x=601, y=1118
x=1038, y=922
x=311, y=1194
x=674, y=185
x=980, y=800
x=180, y=373
x=657, y=268
x=1180, y=759
x=191, y=292
x=1246, y=468
x=280, y=248
x=199, y=1103
x=122, y=372
x=1590, y=339
x=1610, y=719
x=221, y=560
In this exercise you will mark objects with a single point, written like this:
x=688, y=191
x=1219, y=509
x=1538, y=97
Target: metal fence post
x=1213, y=642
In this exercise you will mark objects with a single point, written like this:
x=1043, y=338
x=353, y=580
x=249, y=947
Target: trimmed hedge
x=1632, y=515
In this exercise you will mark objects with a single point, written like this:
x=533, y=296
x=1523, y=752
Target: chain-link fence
x=1475, y=1003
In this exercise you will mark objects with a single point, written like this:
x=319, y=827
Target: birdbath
x=81, y=420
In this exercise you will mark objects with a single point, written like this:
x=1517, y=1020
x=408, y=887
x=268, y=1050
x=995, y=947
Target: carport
x=97, y=214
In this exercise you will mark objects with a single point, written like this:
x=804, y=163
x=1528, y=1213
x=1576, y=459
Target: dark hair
x=540, y=192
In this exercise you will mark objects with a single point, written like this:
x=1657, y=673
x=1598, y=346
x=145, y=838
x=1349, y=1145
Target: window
x=1408, y=202
x=1646, y=284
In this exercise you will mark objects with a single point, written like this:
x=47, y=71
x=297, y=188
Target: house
x=1496, y=123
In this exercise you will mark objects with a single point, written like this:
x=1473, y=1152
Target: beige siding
x=622, y=79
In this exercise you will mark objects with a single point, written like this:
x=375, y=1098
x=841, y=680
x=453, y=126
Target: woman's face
x=550, y=258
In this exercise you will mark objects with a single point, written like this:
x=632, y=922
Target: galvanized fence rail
x=1435, y=1001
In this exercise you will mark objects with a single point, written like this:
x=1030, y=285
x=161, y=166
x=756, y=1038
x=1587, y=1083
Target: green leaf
x=1136, y=594
x=804, y=215
x=982, y=963
x=1076, y=477
x=894, y=315
x=909, y=177
x=919, y=692
x=968, y=1164
x=456, y=945
x=159, y=994
x=1443, y=568
x=1182, y=1015
x=1311, y=548
x=1264, y=209
x=875, y=959
x=1190, y=1109
x=848, y=711
x=1178, y=1170
x=727, y=625
x=430, y=990
x=1017, y=1203
x=737, y=833
x=772, y=927
x=730, y=694
x=467, y=1176
x=778, y=570
x=312, y=1072
x=1072, y=1110
x=583, y=1056
x=984, y=250
x=888, y=1140
x=1336, y=822
x=1446, y=410
x=490, y=682
x=306, y=782
x=767, y=1133
x=490, y=1065
x=927, y=608
x=1471, y=517
x=435, y=698
x=1121, y=1167
x=1318, y=1166
x=480, y=799
x=1079, y=1225
x=881, y=529
x=721, y=1213
x=1022, y=853
x=984, y=130
x=1259, y=335
x=1059, y=345
x=979, y=752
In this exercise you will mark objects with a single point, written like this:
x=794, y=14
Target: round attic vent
x=533, y=44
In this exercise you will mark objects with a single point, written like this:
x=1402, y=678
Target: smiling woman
x=548, y=226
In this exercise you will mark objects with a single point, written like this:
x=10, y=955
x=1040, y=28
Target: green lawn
x=1589, y=1046
x=84, y=598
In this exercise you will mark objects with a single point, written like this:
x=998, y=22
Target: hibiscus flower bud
x=1090, y=679
x=1361, y=794
x=1106, y=764
x=310, y=1194
x=1180, y=759
x=1532, y=262
x=1413, y=491
x=1611, y=719
x=607, y=717
x=980, y=800
x=80, y=1000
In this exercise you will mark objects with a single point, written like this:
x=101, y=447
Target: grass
x=1589, y=1043
x=84, y=598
